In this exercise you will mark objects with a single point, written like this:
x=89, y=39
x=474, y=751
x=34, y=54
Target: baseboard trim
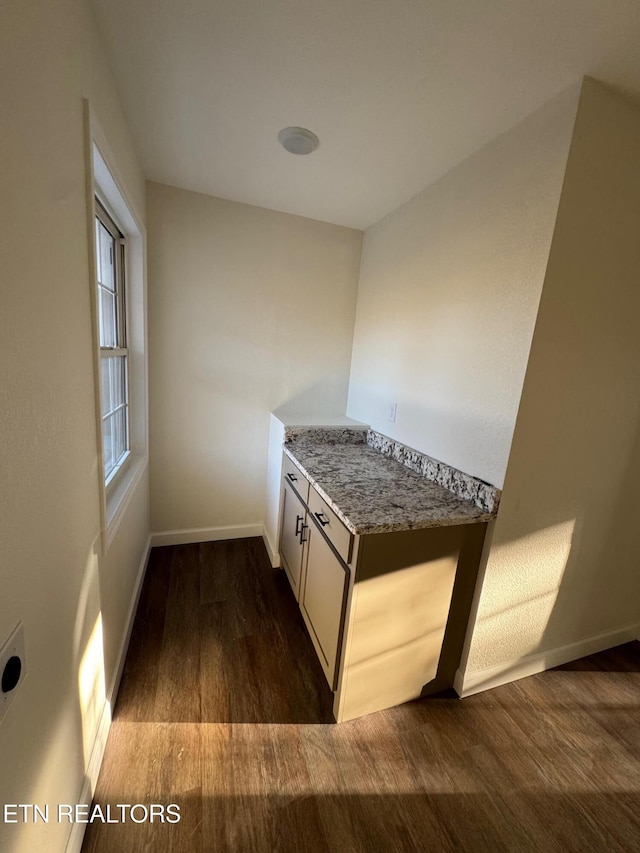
x=112, y=692
x=205, y=534
x=274, y=556
x=76, y=836
x=466, y=684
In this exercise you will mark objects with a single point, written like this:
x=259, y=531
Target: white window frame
x=109, y=221
x=105, y=183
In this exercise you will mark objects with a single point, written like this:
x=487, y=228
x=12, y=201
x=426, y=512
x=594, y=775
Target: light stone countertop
x=372, y=493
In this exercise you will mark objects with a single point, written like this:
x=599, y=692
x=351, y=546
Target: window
x=117, y=258
x=112, y=332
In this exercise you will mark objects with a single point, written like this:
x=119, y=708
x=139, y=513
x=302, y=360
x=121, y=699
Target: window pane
x=115, y=409
x=107, y=318
x=98, y=254
x=107, y=440
x=106, y=258
x=105, y=385
x=114, y=382
x=113, y=368
x=118, y=378
x=120, y=434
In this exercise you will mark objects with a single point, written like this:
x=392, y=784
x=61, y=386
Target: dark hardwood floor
x=223, y=710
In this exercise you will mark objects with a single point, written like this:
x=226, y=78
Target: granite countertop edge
x=447, y=518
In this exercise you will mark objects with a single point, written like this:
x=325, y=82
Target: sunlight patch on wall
x=519, y=593
x=91, y=688
x=89, y=658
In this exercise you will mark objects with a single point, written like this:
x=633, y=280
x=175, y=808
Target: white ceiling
x=399, y=91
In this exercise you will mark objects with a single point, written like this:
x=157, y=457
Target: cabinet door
x=322, y=600
x=293, y=513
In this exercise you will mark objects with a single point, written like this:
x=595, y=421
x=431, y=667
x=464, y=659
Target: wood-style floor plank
x=224, y=711
x=138, y=686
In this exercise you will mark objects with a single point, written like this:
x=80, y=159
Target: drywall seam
x=466, y=684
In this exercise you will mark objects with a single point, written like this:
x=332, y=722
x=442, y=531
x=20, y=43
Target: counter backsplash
x=326, y=435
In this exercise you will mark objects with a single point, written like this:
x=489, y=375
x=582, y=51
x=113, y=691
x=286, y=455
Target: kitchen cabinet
x=383, y=564
x=291, y=538
x=376, y=606
x=317, y=575
x=322, y=599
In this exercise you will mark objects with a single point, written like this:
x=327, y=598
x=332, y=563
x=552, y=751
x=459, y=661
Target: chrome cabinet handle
x=303, y=538
x=292, y=477
x=299, y=518
x=318, y=516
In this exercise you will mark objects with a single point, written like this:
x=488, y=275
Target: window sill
x=119, y=495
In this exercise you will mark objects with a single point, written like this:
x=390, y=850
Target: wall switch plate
x=13, y=668
x=393, y=411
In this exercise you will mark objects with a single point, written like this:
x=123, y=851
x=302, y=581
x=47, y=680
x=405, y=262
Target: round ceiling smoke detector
x=298, y=140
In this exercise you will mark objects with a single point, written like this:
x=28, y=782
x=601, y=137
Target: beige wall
x=563, y=567
x=119, y=568
x=50, y=577
x=449, y=289
x=249, y=310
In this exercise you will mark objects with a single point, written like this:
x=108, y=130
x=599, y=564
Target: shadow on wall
x=576, y=449
x=327, y=396
x=209, y=461
x=601, y=567
x=563, y=582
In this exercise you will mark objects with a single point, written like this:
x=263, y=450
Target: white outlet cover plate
x=13, y=647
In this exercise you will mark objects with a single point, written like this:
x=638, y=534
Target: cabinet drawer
x=295, y=478
x=333, y=528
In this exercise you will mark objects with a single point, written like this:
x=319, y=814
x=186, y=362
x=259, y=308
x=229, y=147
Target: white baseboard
x=274, y=556
x=466, y=684
x=76, y=836
x=205, y=534
x=112, y=692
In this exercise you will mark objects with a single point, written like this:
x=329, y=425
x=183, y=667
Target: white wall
x=249, y=310
x=562, y=575
x=50, y=576
x=449, y=289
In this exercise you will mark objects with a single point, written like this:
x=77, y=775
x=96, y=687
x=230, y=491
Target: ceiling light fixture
x=298, y=140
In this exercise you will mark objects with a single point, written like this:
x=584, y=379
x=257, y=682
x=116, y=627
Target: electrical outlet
x=393, y=411
x=13, y=667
